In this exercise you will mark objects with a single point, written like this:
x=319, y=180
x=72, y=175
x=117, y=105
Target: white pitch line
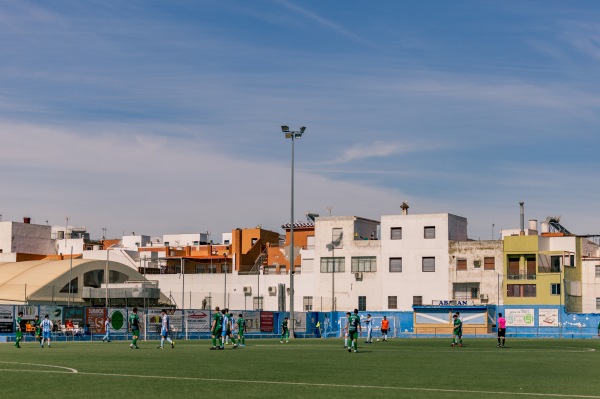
x=310, y=384
x=73, y=371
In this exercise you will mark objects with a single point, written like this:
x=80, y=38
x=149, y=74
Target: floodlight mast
x=291, y=134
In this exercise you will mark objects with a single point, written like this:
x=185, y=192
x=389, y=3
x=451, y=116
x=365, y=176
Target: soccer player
x=230, y=329
x=225, y=327
x=353, y=329
x=369, y=326
x=457, y=331
x=164, y=331
x=46, y=326
x=285, y=332
x=106, y=338
x=38, y=330
x=215, y=328
x=385, y=325
x=346, y=331
x=18, y=329
x=134, y=327
x=501, y=330
x=241, y=325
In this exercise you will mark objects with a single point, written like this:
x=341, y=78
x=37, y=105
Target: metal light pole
x=225, y=287
x=70, y=276
x=292, y=134
x=106, y=272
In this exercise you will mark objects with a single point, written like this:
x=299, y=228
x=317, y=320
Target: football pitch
x=306, y=368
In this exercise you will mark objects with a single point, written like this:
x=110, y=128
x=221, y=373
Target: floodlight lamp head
x=297, y=135
x=302, y=129
x=285, y=129
x=288, y=135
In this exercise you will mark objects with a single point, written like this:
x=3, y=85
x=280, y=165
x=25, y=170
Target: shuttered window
x=461, y=264
x=429, y=232
x=489, y=263
x=395, y=265
x=396, y=233
x=428, y=264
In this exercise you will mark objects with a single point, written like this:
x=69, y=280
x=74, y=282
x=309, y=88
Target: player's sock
x=214, y=342
x=498, y=341
x=169, y=340
x=502, y=341
x=233, y=340
x=162, y=342
x=134, y=342
x=345, y=342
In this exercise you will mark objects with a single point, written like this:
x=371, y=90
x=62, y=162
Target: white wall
x=590, y=285
x=412, y=281
x=183, y=240
x=132, y=242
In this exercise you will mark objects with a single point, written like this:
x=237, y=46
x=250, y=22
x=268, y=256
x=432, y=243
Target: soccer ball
x=377, y=339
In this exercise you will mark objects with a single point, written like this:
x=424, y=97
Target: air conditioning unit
x=272, y=290
x=358, y=276
x=248, y=290
x=483, y=297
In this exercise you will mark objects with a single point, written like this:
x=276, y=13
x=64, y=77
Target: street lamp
x=292, y=134
x=225, y=288
x=106, y=274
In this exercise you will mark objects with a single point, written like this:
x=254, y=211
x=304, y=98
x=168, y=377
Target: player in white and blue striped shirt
x=46, y=326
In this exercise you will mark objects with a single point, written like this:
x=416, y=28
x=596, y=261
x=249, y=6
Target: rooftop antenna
x=329, y=208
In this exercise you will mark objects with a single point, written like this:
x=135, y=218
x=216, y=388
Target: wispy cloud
x=381, y=149
x=325, y=23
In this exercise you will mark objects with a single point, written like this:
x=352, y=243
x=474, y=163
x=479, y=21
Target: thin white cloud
x=326, y=23
x=382, y=149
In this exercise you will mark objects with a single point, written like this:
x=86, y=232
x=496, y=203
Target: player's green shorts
x=217, y=331
x=19, y=334
x=241, y=332
x=135, y=332
x=352, y=335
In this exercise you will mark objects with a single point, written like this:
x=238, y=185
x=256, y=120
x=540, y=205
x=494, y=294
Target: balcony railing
x=521, y=277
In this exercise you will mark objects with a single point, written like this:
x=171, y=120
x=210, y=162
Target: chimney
x=522, y=205
x=404, y=208
x=27, y=220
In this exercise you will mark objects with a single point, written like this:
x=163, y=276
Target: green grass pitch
x=309, y=368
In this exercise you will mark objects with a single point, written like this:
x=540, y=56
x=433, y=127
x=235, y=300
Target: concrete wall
x=25, y=238
x=490, y=281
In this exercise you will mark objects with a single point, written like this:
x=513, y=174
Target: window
x=166, y=243
x=513, y=268
x=476, y=264
x=74, y=287
x=396, y=265
x=257, y=302
x=428, y=264
x=597, y=303
x=336, y=238
x=597, y=271
x=392, y=302
x=396, y=233
x=489, y=263
x=549, y=263
x=307, y=301
x=364, y=264
x=429, y=232
x=464, y=291
x=461, y=264
x=328, y=265
x=555, y=262
x=362, y=303
x=530, y=264
x=521, y=290
x=555, y=289
x=196, y=243
x=417, y=301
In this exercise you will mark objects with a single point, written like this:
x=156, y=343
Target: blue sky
x=162, y=117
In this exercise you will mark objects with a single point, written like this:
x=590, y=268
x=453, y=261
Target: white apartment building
x=24, y=238
x=184, y=240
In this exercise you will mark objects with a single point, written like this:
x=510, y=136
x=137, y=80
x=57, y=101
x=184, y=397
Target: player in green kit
x=18, y=329
x=353, y=329
x=38, y=329
x=215, y=328
x=241, y=324
x=285, y=332
x=134, y=327
x=457, y=332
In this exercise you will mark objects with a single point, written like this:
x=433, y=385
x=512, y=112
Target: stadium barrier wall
x=526, y=321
